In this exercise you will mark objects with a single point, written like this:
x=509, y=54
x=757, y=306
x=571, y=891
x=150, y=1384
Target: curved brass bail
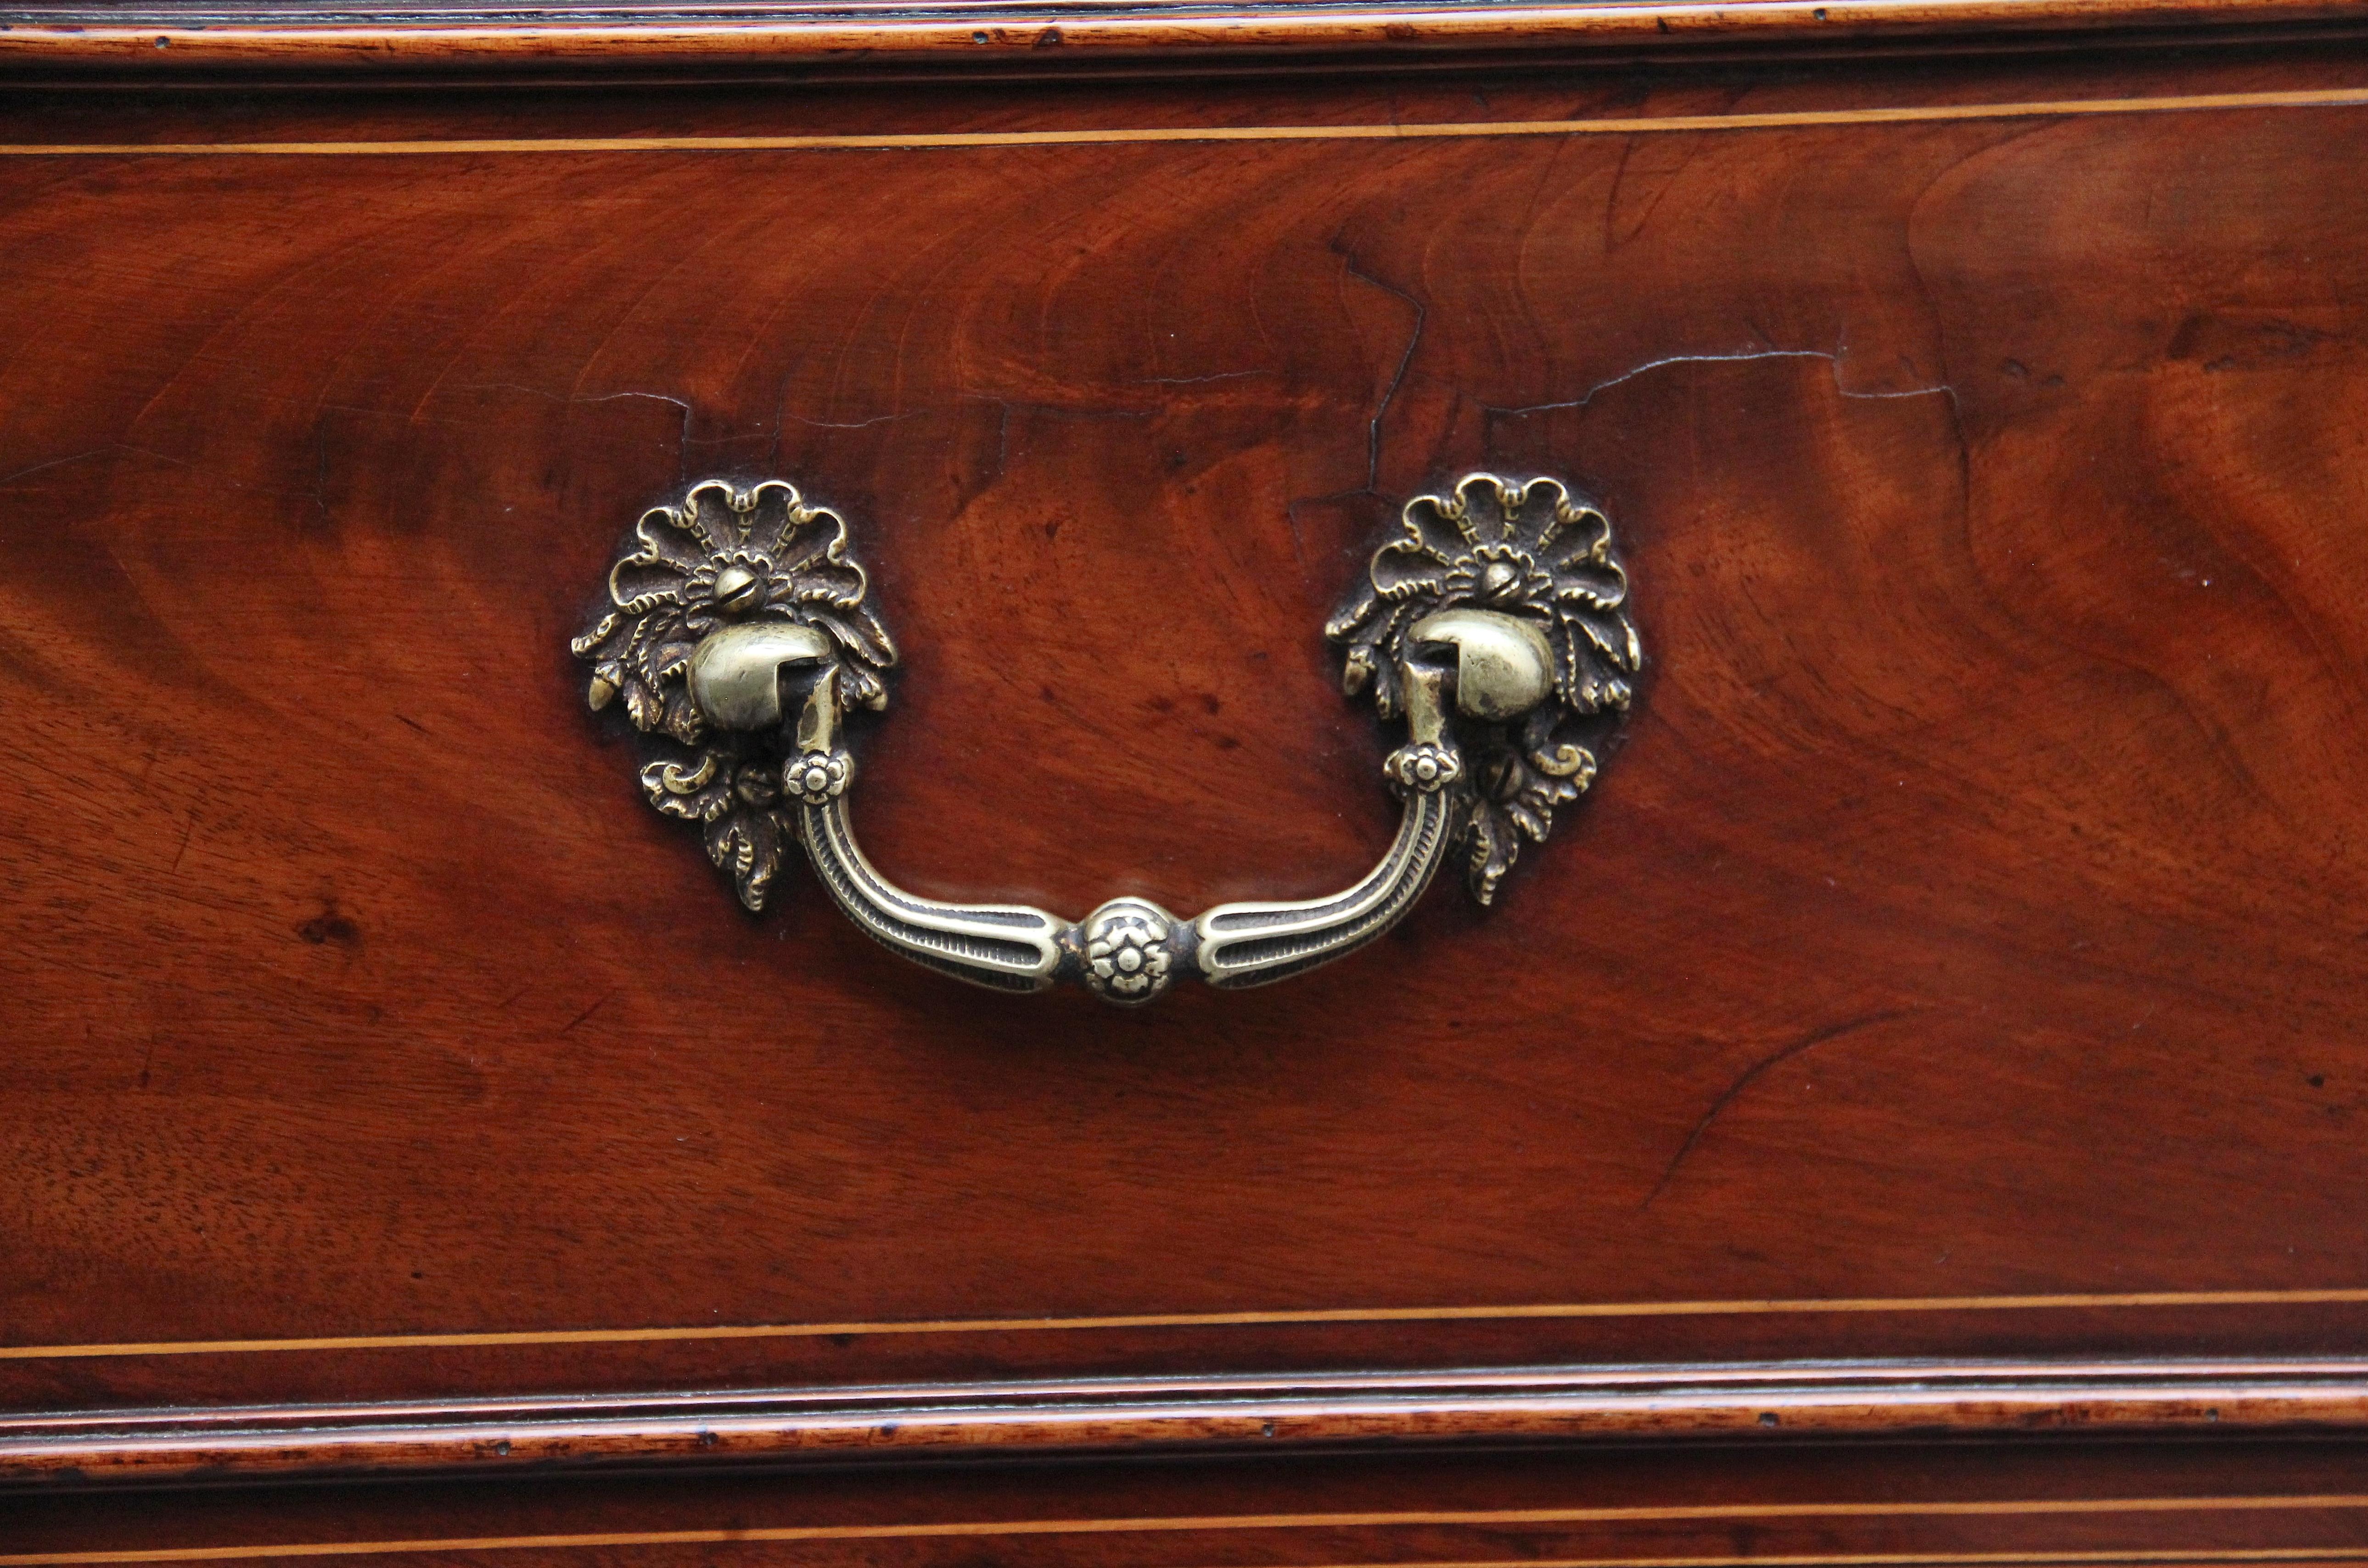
x=1552, y=625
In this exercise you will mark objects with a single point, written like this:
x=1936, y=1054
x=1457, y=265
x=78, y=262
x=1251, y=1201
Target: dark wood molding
x=1033, y=36
x=1114, y=1417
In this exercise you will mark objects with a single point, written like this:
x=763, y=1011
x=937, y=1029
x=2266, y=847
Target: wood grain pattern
x=1960, y=958
x=2003, y=840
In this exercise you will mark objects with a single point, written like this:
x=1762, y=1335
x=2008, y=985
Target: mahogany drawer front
x=1955, y=972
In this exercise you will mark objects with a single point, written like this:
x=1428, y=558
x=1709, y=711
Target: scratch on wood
x=1751, y=1075
x=588, y=1013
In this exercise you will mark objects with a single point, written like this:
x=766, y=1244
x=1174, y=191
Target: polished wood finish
x=1995, y=807
x=1956, y=974
x=1269, y=1416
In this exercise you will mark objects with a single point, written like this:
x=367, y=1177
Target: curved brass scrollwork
x=1495, y=624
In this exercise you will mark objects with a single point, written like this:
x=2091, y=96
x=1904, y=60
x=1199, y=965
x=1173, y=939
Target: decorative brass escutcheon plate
x=1495, y=622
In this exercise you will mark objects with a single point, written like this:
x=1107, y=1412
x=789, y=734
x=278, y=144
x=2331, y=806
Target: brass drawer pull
x=1494, y=623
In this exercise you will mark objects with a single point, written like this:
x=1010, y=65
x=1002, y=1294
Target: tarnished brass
x=710, y=603
x=1506, y=573
x=1495, y=624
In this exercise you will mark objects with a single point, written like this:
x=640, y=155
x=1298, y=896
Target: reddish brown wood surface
x=1960, y=958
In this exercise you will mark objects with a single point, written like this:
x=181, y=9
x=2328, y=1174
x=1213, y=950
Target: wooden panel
x=1988, y=487
x=1958, y=960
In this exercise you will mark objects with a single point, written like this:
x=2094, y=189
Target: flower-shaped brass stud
x=817, y=777
x=1126, y=946
x=1424, y=766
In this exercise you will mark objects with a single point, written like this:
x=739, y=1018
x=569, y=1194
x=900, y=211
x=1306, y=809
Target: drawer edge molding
x=1046, y=36
x=1899, y=1401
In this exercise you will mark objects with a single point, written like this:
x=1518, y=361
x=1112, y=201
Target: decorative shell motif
x=726, y=555
x=1528, y=550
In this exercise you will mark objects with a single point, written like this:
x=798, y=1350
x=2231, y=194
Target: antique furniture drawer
x=1870, y=499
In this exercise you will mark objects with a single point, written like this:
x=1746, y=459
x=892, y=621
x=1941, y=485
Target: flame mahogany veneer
x=1911, y=1111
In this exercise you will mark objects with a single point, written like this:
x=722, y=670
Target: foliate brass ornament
x=1521, y=581
x=714, y=597
x=1496, y=625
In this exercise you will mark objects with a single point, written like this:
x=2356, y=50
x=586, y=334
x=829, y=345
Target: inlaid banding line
x=1484, y=1518
x=2336, y=98
x=1808, y=1306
